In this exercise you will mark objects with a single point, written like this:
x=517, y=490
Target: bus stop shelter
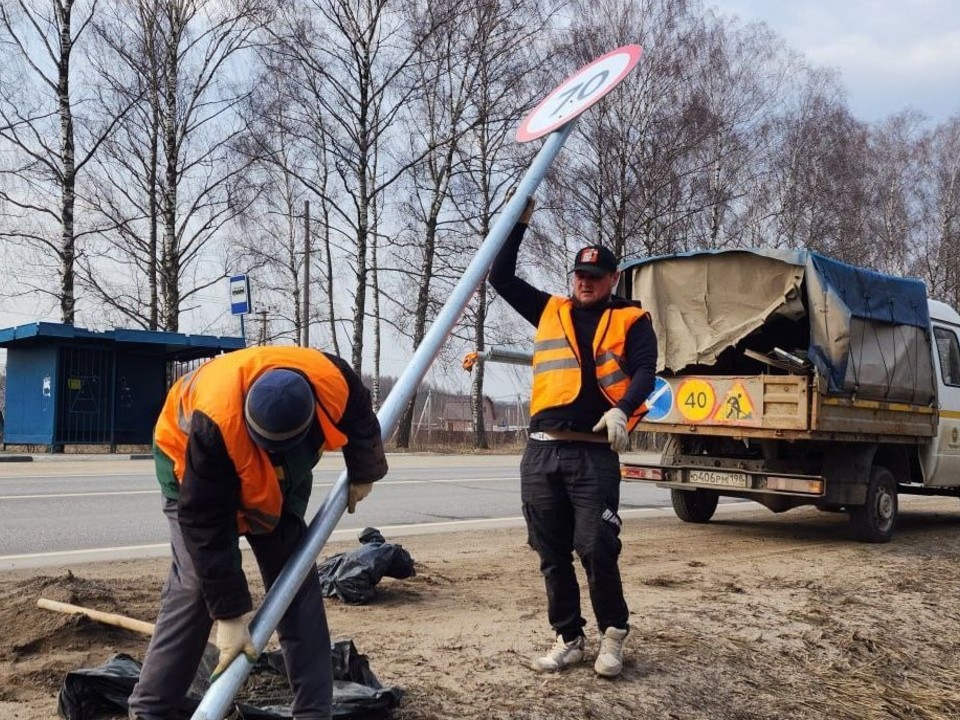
x=70, y=386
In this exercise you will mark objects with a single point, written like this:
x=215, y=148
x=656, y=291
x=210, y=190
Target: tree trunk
x=68, y=188
x=476, y=390
x=420, y=319
x=171, y=256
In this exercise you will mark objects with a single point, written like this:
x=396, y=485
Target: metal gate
x=86, y=409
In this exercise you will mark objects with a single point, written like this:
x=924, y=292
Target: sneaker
x=562, y=655
x=610, y=659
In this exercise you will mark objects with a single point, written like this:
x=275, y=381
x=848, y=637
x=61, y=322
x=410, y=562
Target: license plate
x=713, y=477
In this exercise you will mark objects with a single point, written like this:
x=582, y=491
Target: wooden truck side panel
x=779, y=407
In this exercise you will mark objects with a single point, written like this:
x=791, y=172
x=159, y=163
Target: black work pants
x=571, y=496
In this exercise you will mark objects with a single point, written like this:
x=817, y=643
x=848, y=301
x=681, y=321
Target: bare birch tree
x=445, y=64
x=125, y=193
x=274, y=226
x=939, y=259
x=625, y=179
x=490, y=161
x=354, y=58
x=898, y=161
x=736, y=96
x=51, y=132
x=811, y=194
x=169, y=211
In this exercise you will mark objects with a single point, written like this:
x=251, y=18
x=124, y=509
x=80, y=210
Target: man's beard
x=581, y=305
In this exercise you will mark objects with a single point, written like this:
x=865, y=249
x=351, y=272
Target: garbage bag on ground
x=104, y=691
x=352, y=576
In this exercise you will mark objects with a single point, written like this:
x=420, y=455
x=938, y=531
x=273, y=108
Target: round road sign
x=696, y=399
x=660, y=401
x=578, y=92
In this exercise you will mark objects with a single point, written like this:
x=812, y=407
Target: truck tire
x=694, y=506
x=875, y=520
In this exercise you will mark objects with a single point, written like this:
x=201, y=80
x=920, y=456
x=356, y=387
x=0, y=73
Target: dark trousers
x=184, y=624
x=571, y=495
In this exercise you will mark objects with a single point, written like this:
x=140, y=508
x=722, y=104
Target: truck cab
x=941, y=456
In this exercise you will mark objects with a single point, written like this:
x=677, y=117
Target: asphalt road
x=63, y=510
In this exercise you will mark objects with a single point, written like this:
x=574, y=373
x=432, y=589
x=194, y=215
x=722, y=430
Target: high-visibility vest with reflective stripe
x=556, y=357
x=217, y=389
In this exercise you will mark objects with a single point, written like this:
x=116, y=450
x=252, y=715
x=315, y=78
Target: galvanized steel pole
x=219, y=697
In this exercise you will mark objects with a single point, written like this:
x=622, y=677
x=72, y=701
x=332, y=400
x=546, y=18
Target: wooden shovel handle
x=106, y=618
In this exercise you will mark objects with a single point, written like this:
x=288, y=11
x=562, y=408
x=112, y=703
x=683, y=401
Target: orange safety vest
x=217, y=389
x=556, y=357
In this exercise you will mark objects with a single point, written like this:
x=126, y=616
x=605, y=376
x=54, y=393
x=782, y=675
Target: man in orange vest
x=234, y=448
x=594, y=362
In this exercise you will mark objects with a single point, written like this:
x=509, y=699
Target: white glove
x=358, y=491
x=614, y=421
x=233, y=638
x=526, y=215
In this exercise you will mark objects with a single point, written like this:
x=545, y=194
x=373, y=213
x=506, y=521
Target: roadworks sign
x=706, y=400
x=736, y=406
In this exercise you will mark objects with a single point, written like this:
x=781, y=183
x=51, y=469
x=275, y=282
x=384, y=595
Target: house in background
x=455, y=413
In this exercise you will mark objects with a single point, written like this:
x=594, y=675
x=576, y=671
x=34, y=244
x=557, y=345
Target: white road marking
x=50, y=496
x=128, y=552
x=86, y=551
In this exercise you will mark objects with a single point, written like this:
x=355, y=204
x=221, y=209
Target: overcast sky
x=891, y=54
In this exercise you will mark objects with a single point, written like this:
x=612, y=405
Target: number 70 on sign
x=578, y=92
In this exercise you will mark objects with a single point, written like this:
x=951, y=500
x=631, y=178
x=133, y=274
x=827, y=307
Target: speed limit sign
x=578, y=92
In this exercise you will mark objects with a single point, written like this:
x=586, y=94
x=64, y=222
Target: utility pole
x=263, y=327
x=306, y=274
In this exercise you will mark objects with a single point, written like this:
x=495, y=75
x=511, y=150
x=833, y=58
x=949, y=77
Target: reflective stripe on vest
x=217, y=389
x=556, y=358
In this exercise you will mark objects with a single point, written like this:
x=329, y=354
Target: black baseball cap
x=595, y=260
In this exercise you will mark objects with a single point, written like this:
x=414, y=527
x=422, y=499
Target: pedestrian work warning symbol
x=736, y=405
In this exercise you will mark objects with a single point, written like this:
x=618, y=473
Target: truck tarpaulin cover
x=103, y=691
x=868, y=332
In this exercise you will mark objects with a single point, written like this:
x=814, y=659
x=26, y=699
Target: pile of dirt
x=752, y=616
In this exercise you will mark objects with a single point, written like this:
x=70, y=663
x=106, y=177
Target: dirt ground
x=751, y=616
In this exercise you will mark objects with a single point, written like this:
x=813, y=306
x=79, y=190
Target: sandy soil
x=751, y=616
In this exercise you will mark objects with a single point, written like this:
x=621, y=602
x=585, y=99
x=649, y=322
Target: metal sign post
x=240, y=300
x=219, y=697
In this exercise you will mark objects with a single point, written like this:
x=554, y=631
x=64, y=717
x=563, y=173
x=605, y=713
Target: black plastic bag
x=104, y=691
x=352, y=576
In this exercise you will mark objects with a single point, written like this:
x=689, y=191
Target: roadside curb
x=69, y=457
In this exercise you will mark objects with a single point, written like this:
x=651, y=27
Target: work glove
x=233, y=638
x=614, y=421
x=527, y=214
x=357, y=492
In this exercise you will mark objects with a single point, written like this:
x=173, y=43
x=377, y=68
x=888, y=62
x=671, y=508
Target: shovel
x=210, y=653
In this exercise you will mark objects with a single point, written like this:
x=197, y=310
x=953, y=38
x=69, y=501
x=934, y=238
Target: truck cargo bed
x=778, y=406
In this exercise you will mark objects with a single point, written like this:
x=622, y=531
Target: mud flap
x=846, y=471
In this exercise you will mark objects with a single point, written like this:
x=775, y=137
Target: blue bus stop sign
x=239, y=295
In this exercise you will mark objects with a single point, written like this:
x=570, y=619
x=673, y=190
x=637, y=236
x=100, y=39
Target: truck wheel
x=875, y=520
x=694, y=506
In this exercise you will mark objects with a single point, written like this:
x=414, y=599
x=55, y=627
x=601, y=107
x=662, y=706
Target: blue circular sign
x=660, y=401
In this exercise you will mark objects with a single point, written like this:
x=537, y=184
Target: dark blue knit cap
x=279, y=409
